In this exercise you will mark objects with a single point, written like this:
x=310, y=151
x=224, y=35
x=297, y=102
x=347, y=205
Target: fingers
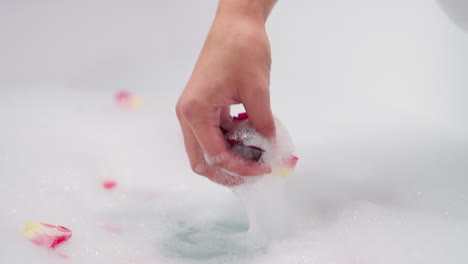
x=219, y=176
x=225, y=113
x=212, y=141
x=198, y=162
x=192, y=147
x=257, y=104
x=206, y=145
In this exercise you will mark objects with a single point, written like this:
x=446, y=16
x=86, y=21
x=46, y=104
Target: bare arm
x=233, y=67
x=255, y=9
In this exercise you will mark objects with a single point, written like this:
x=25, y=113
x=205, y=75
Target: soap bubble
x=263, y=197
x=278, y=153
x=247, y=144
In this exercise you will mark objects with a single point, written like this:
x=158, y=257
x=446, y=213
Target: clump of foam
x=270, y=215
x=278, y=152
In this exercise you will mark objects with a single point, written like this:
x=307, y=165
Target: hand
x=233, y=67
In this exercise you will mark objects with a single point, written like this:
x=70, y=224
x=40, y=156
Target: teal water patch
x=217, y=240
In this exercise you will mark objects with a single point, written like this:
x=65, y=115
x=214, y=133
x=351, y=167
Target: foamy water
x=361, y=204
x=376, y=110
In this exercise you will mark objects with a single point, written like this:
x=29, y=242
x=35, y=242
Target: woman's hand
x=233, y=67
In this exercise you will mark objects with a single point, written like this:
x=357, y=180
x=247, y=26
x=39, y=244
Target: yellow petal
x=283, y=172
x=137, y=101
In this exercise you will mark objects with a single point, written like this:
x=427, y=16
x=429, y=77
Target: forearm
x=254, y=9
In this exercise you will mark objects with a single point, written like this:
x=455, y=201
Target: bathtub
x=373, y=94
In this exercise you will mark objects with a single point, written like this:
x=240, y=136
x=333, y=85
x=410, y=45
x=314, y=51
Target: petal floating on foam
x=109, y=184
x=126, y=100
x=137, y=101
x=45, y=235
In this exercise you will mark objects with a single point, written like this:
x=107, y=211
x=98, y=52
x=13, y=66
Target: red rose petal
x=292, y=161
x=241, y=116
x=233, y=142
x=46, y=235
x=124, y=99
x=60, y=239
x=109, y=184
x=123, y=95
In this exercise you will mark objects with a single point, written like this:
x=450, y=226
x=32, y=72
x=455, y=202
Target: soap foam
x=370, y=201
x=270, y=215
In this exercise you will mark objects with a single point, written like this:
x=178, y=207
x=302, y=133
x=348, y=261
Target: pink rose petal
x=124, y=99
x=128, y=101
x=241, y=116
x=109, y=184
x=291, y=162
x=46, y=235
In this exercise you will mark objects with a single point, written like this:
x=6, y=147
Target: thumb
x=257, y=104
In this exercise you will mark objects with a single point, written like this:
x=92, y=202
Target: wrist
x=254, y=10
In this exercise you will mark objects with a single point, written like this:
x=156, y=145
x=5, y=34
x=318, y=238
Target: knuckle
x=186, y=108
x=178, y=110
x=197, y=168
x=200, y=168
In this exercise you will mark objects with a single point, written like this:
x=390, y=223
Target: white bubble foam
x=370, y=201
x=270, y=215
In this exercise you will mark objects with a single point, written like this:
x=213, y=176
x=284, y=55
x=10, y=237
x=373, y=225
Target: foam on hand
x=243, y=139
x=269, y=214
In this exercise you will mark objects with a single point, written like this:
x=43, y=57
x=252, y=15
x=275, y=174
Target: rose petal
x=46, y=235
x=124, y=99
x=291, y=162
x=241, y=116
x=128, y=101
x=109, y=184
x=136, y=101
